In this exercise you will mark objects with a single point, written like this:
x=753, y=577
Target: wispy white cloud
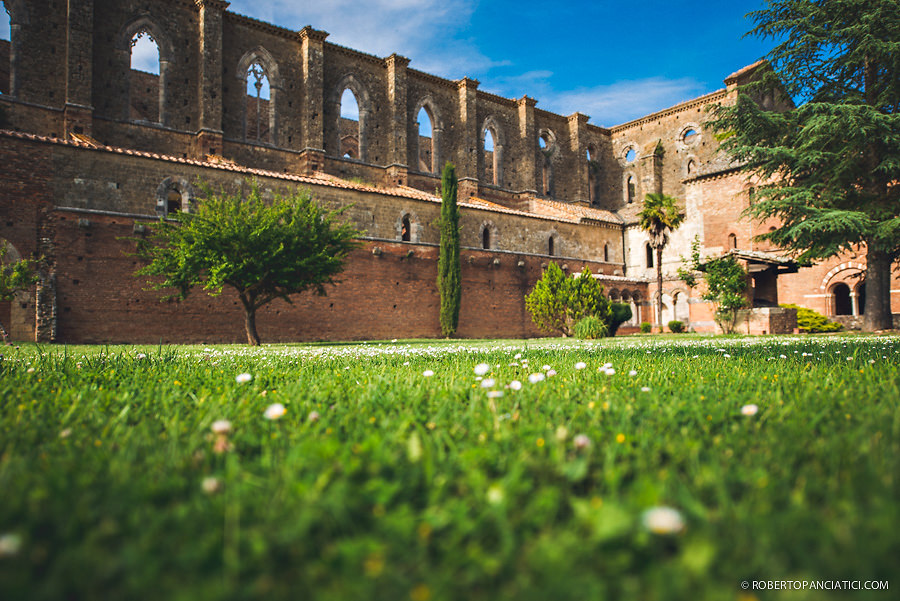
x=607, y=105
x=430, y=32
x=622, y=101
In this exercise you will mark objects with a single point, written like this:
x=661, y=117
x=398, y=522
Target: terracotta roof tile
x=539, y=208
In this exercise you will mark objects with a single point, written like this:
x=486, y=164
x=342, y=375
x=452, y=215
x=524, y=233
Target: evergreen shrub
x=811, y=321
x=676, y=326
x=590, y=328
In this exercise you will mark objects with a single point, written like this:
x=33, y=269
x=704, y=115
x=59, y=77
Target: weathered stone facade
x=95, y=150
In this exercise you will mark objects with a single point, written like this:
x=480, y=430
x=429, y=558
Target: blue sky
x=613, y=61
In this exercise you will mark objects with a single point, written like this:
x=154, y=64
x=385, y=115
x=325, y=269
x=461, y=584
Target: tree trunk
x=878, y=291
x=659, y=291
x=249, y=319
x=250, y=326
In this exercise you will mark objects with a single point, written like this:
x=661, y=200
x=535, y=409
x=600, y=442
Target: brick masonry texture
x=90, y=148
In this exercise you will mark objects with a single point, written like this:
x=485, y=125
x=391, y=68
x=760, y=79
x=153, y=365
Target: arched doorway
x=841, y=304
x=14, y=313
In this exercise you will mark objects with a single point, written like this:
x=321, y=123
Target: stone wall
x=201, y=95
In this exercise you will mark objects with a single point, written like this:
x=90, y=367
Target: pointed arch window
x=630, y=189
x=486, y=238
x=606, y=253
x=145, y=89
x=732, y=241
x=490, y=158
x=145, y=55
x=649, y=252
x=349, y=125
x=425, y=128
x=257, y=105
x=260, y=83
x=551, y=246
x=491, y=155
x=545, y=144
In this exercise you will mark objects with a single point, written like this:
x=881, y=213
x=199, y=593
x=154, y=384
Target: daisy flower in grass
x=663, y=520
x=275, y=411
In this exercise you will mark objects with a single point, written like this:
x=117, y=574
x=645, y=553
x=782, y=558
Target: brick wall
x=24, y=188
x=383, y=294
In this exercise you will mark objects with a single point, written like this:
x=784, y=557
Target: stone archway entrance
x=14, y=316
x=841, y=303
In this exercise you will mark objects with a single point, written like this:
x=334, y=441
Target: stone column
x=209, y=135
x=79, y=111
x=398, y=169
x=467, y=161
x=854, y=304
x=312, y=58
x=577, y=127
x=528, y=171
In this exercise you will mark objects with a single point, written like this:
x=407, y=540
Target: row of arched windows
x=258, y=71
x=150, y=53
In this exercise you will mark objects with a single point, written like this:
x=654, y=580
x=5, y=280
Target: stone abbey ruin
x=93, y=152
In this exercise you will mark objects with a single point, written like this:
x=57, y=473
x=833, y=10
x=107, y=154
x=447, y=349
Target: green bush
x=590, y=328
x=619, y=314
x=811, y=321
x=558, y=301
x=676, y=326
x=646, y=328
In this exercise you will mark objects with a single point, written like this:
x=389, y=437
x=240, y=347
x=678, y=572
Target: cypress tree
x=449, y=279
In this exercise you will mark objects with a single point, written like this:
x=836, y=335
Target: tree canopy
x=829, y=168
x=263, y=250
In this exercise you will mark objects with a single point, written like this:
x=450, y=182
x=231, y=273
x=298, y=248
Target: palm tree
x=659, y=216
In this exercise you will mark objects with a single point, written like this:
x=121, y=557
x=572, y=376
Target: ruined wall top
x=270, y=97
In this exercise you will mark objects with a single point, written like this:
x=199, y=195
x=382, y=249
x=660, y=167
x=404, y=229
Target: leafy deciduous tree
x=449, y=278
x=659, y=216
x=726, y=285
x=830, y=167
x=262, y=250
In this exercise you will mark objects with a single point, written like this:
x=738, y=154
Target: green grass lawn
x=780, y=457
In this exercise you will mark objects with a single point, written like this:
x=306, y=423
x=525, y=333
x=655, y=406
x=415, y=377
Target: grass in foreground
x=378, y=481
